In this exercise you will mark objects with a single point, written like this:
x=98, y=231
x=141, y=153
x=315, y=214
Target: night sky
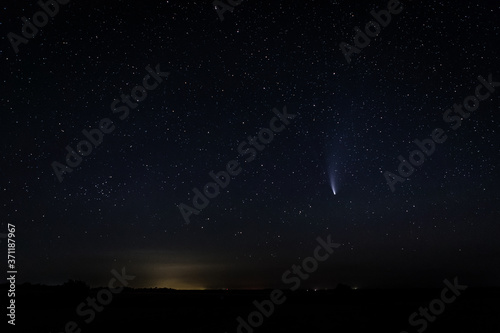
x=120, y=206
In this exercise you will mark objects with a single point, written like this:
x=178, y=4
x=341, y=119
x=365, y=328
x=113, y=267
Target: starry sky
x=119, y=207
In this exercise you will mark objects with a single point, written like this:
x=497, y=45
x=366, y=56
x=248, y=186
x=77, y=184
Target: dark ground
x=48, y=309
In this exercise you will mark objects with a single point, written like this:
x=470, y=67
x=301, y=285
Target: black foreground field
x=49, y=309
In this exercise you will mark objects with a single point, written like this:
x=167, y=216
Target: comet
x=332, y=183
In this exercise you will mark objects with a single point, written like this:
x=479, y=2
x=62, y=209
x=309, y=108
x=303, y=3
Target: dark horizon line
x=342, y=288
